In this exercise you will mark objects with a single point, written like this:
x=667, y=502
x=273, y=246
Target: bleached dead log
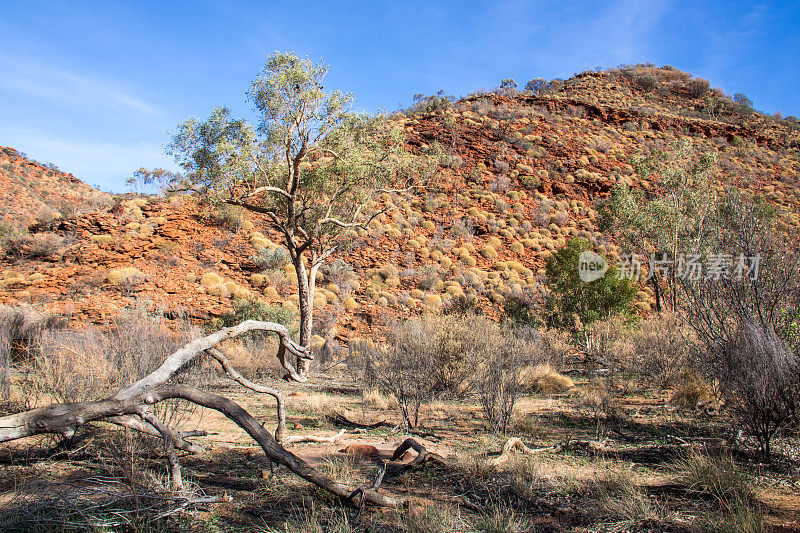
x=295, y=439
x=137, y=401
x=515, y=444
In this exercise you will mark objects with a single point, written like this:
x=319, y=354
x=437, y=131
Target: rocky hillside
x=31, y=192
x=521, y=173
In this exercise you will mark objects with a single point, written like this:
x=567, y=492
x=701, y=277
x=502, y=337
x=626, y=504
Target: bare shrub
x=463, y=227
x=498, y=379
x=403, y=368
x=662, y=348
x=428, y=276
x=599, y=398
x=602, y=340
x=21, y=328
x=451, y=160
x=20, y=331
x=36, y=246
x=555, y=346
x=73, y=365
x=253, y=356
x=448, y=355
x=499, y=183
x=747, y=324
x=760, y=374
x=501, y=166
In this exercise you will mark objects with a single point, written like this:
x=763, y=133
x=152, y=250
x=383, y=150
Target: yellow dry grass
x=545, y=379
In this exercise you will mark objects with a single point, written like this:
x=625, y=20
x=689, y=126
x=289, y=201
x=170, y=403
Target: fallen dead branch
x=338, y=419
x=423, y=455
x=136, y=401
x=515, y=444
x=294, y=439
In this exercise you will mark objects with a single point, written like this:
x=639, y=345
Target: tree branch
x=280, y=431
x=63, y=419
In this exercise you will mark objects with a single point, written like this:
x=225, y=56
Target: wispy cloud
x=625, y=29
x=98, y=163
x=59, y=85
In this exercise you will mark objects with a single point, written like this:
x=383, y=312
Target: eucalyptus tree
x=661, y=227
x=310, y=164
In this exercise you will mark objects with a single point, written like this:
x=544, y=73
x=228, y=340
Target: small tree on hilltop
x=311, y=166
x=536, y=85
x=508, y=86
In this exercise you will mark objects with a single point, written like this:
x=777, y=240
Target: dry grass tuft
x=621, y=501
x=721, y=480
x=318, y=403
x=692, y=392
x=377, y=399
x=545, y=379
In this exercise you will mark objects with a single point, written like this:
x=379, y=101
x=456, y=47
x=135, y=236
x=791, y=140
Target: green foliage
x=254, y=310
x=571, y=298
x=311, y=165
x=536, y=85
x=508, y=85
x=430, y=104
x=270, y=259
x=310, y=162
x=678, y=216
x=7, y=232
x=745, y=105
x=530, y=182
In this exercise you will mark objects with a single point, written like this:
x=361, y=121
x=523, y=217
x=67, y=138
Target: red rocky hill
x=521, y=174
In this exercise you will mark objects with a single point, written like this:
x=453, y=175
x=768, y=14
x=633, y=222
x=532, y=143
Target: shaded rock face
x=520, y=175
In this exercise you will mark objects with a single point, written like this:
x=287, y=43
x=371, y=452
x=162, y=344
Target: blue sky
x=94, y=87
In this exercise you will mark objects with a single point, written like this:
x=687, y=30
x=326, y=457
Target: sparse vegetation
x=455, y=317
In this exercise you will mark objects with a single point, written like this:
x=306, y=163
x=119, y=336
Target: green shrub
x=270, y=259
x=536, y=85
x=228, y=216
x=255, y=310
x=744, y=104
x=571, y=298
x=530, y=182
x=432, y=103
x=508, y=86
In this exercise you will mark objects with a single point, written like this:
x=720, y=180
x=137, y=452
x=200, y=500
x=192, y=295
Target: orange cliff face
x=521, y=174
